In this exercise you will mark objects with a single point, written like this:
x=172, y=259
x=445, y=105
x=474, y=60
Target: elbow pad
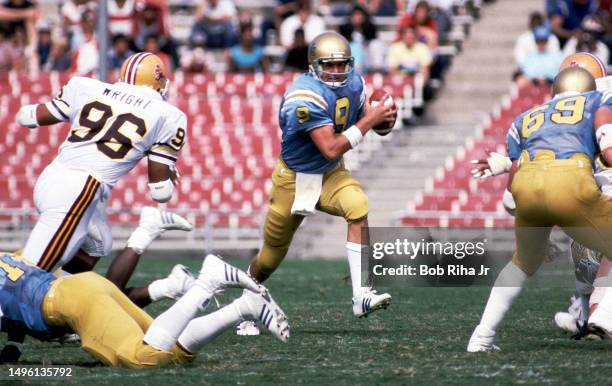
x=26, y=116
x=161, y=191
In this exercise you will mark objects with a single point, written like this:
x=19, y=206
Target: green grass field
x=420, y=339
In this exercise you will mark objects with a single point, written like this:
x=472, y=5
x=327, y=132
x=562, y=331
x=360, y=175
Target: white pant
x=67, y=199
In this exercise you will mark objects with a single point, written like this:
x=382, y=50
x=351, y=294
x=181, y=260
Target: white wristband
x=354, y=136
x=26, y=116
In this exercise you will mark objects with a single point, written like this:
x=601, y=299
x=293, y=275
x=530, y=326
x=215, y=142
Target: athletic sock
x=202, y=330
x=506, y=289
x=158, y=289
x=353, y=253
x=167, y=327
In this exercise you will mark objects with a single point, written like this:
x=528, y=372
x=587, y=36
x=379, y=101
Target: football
x=375, y=99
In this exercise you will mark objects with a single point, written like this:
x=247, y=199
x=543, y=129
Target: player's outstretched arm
x=33, y=116
x=333, y=145
x=495, y=164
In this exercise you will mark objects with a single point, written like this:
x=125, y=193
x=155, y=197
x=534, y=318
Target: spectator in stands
x=11, y=26
x=194, y=60
x=282, y=10
x=86, y=56
x=589, y=39
x=339, y=8
x=45, y=43
x=11, y=55
x=121, y=15
x=526, y=46
x=409, y=56
x=152, y=19
x=426, y=27
x=296, y=58
x=541, y=65
x=215, y=20
x=119, y=52
x=359, y=31
x=312, y=24
x=60, y=57
x=71, y=13
x=151, y=45
x=386, y=7
x=566, y=16
x=247, y=56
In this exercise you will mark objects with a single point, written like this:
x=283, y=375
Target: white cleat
x=482, y=340
x=217, y=275
x=179, y=281
x=157, y=221
x=370, y=301
x=566, y=322
x=247, y=328
x=153, y=222
x=261, y=307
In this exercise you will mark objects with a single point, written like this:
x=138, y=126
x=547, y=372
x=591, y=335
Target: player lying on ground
x=589, y=273
x=324, y=114
x=553, y=184
x=116, y=331
x=153, y=222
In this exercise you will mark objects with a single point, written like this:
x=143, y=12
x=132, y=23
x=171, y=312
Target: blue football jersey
x=22, y=290
x=565, y=125
x=308, y=104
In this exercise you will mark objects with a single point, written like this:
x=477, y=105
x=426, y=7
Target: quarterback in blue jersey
x=323, y=115
x=116, y=331
x=553, y=148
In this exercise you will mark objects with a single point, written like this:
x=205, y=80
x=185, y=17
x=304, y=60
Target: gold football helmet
x=575, y=79
x=145, y=69
x=326, y=49
x=589, y=62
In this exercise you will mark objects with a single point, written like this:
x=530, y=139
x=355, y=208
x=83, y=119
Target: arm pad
x=26, y=116
x=161, y=191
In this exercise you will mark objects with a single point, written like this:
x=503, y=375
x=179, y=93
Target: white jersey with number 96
x=113, y=126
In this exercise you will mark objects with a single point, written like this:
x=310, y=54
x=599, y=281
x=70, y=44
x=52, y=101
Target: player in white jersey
x=113, y=127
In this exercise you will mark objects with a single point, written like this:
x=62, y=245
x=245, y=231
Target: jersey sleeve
x=170, y=140
x=304, y=110
x=514, y=143
x=66, y=99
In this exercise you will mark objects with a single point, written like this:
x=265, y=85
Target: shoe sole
x=380, y=306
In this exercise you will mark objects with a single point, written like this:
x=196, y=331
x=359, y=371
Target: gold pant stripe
x=60, y=239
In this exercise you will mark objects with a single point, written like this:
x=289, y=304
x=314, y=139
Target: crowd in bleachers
x=200, y=36
x=567, y=27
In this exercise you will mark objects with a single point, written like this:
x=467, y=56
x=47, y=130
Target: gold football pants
x=111, y=327
x=551, y=192
x=341, y=195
